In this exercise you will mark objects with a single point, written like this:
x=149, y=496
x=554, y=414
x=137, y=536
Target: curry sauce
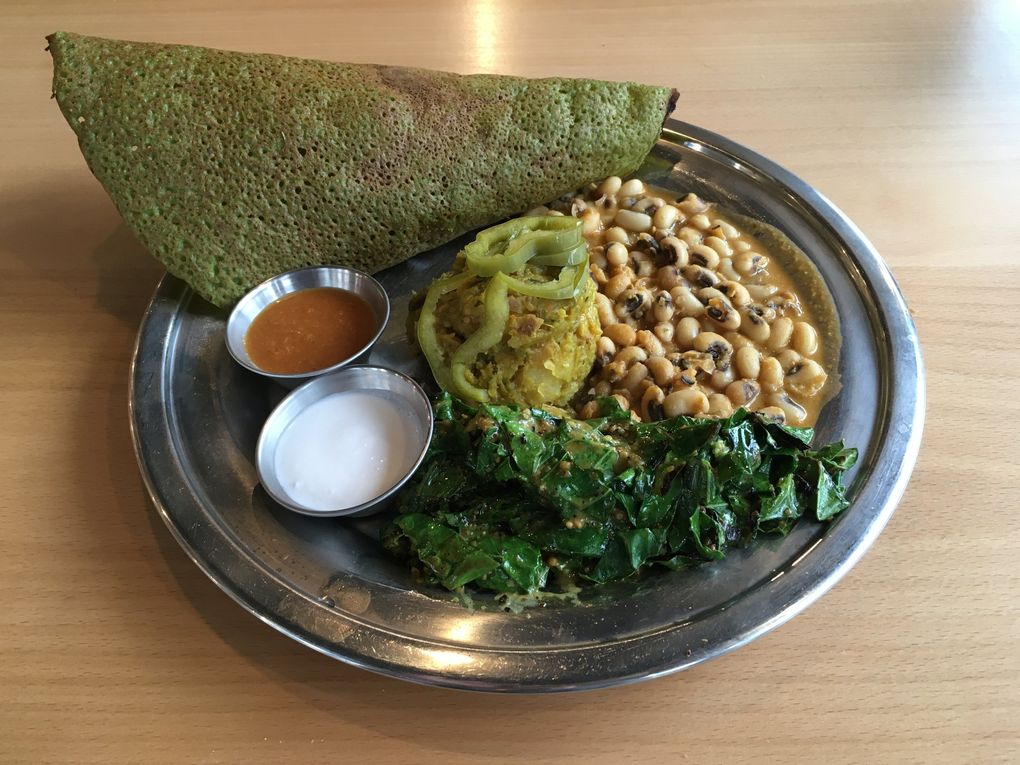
x=310, y=330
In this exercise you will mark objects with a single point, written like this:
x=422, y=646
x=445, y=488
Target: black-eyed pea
x=607, y=202
x=621, y=298
x=773, y=414
x=616, y=235
x=633, y=302
x=703, y=255
x=604, y=307
x=651, y=404
x=646, y=242
x=726, y=270
x=623, y=335
x=597, y=273
x=743, y=392
x=610, y=186
x=788, y=359
x=591, y=221
x=761, y=292
x=668, y=277
x=747, y=361
x=707, y=293
x=642, y=386
x=770, y=374
x=617, y=285
x=685, y=402
x=645, y=264
x=634, y=377
x=806, y=378
x=750, y=262
x=794, y=412
x=781, y=332
x=721, y=378
x=804, y=339
x=719, y=405
x=631, y=354
x=605, y=351
x=689, y=236
x=631, y=188
x=665, y=332
x=725, y=230
x=665, y=217
x=614, y=371
x=700, y=222
x=717, y=346
x=685, y=302
x=687, y=329
x=735, y=292
x=650, y=343
x=590, y=410
x=741, y=246
x=682, y=374
x=632, y=221
x=617, y=254
x=723, y=250
x=602, y=388
x=692, y=204
x=766, y=311
x=648, y=205
x=737, y=340
x=675, y=251
x=661, y=369
x=662, y=307
x=722, y=313
x=699, y=276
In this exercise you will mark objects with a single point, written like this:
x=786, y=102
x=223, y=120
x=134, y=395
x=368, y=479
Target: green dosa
x=233, y=167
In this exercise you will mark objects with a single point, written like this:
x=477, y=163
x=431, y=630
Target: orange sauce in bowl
x=309, y=330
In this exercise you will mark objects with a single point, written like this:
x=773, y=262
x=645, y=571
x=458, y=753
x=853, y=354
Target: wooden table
x=115, y=648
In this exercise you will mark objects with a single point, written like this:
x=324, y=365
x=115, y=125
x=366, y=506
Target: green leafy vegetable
x=508, y=495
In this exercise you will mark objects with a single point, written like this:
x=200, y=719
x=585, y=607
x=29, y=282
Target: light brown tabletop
x=114, y=647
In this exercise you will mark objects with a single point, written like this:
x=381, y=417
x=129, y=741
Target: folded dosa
x=232, y=167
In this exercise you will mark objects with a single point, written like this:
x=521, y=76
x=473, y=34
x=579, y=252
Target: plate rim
x=660, y=655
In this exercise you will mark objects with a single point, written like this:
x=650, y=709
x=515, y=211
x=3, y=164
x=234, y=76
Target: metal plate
x=196, y=417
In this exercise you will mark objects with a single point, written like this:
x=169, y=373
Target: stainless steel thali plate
x=196, y=417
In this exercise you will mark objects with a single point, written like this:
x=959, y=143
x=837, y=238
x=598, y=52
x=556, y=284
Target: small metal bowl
x=252, y=304
x=356, y=378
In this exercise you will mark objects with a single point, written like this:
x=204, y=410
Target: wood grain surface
x=114, y=647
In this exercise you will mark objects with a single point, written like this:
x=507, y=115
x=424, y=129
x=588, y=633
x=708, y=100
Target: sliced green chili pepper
x=427, y=338
x=577, y=255
x=565, y=287
x=497, y=312
x=509, y=246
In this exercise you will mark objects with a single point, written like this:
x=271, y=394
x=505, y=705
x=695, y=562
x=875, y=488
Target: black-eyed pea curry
x=699, y=311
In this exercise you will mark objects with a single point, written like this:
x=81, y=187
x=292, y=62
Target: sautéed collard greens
x=509, y=494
